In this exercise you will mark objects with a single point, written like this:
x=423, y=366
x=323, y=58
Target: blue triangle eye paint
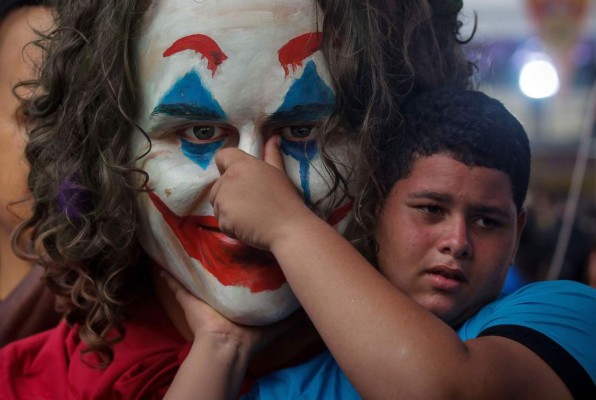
x=308, y=100
x=309, y=97
x=188, y=98
x=303, y=152
x=200, y=153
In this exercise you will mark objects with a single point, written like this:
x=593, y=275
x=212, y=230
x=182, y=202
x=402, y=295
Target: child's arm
x=387, y=344
x=216, y=365
x=217, y=361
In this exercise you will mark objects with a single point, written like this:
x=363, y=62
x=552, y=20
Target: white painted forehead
x=168, y=19
x=242, y=28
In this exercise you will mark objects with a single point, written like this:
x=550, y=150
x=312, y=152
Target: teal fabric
x=320, y=378
x=565, y=311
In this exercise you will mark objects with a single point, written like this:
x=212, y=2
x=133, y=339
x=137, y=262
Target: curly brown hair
x=82, y=176
x=84, y=219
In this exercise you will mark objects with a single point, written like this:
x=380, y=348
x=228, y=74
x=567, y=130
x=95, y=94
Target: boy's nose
x=456, y=241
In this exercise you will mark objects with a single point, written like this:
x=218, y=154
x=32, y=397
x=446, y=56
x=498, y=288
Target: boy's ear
x=521, y=220
x=520, y=224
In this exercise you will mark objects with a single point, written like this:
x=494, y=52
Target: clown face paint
x=214, y=74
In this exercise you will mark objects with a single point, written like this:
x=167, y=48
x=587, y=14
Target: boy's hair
x=469, y=126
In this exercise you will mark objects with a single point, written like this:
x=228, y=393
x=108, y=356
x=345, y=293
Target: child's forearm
x=388, y=345
x=361, y=316
x=214, y=369
x=216, y=364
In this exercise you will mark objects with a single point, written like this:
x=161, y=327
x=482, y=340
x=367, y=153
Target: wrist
x=222, y=348
x=297, y=232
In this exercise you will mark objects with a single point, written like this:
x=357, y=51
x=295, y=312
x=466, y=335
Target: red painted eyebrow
x=297, y=49
x=201, y=44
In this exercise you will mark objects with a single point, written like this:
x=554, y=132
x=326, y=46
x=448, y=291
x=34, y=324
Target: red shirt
x=50, y=364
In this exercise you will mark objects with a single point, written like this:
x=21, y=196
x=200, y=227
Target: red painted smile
x=231, y=261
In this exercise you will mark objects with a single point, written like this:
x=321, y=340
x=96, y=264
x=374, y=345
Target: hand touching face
x=254, y=200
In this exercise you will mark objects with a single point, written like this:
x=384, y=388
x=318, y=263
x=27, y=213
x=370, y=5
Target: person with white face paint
x=137, y=98
x=218, y=85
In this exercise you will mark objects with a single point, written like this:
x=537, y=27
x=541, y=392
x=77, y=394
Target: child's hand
x=216, y=364
x=253, y=200
x=209, y=326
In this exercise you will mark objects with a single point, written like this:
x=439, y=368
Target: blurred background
x=538, y=57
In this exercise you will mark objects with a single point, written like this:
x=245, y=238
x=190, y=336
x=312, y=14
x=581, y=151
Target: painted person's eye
x=298, y=132
x=301, y=132
x=203, y=133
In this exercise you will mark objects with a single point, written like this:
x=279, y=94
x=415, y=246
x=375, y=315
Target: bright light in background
x=538, y=79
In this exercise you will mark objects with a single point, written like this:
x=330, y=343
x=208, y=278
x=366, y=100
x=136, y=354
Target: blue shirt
x=542, y=315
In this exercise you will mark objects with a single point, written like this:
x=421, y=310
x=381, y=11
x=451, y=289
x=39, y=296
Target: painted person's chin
x=244, y=307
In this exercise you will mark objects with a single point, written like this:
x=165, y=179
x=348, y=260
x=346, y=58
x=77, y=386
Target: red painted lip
x=445, y=278
x=230, y=261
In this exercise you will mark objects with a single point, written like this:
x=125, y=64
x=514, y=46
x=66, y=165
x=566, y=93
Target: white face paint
x=220, y=73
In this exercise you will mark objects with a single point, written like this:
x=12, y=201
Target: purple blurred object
x=72, y=199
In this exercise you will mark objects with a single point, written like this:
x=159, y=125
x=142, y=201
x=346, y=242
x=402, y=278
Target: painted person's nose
x=251, y=141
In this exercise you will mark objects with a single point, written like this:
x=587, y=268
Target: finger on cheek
x=213, y=192
x=273, y=154
x=219, y=161
x=224, y=158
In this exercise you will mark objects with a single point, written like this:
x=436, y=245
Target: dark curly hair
x=84, y=218
x=82, y=176
x=469, y=126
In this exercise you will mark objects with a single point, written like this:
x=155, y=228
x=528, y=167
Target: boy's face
x=447, y=234
x=214, y=74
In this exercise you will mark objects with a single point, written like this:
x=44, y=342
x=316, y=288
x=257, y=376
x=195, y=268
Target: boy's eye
x=430, y=209
x=488, y=222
